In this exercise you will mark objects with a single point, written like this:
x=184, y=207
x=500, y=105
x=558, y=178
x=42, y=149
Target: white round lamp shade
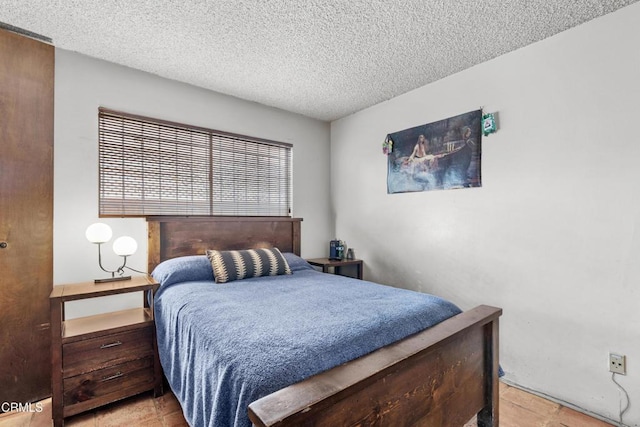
x=125, y=246
x=98, y=233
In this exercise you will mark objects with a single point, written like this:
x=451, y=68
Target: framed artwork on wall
x=436, y=156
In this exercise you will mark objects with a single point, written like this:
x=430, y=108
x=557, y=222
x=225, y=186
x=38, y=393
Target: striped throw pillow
x=235, y=265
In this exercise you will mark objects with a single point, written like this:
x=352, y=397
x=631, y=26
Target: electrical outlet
x=617, y=364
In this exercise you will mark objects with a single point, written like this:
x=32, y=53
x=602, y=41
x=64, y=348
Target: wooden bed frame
x=441, y=376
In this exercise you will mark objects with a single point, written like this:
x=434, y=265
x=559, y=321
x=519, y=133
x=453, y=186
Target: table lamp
x=124, y=246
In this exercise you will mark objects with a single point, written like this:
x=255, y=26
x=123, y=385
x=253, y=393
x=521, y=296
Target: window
x=154, y=167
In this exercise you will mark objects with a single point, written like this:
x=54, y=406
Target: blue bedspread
x=222, y=346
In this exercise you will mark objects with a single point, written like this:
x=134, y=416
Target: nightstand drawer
x=97, y=353
x=109, y=383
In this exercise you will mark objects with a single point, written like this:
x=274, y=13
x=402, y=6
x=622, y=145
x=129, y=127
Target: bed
x=400, y=376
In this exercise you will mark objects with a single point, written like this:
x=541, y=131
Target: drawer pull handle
x=113, y=344
x=112, y=377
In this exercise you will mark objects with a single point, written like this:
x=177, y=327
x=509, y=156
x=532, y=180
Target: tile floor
x=517, y=409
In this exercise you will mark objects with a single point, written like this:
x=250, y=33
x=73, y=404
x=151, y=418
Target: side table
x=337, y=265
x=99, y=359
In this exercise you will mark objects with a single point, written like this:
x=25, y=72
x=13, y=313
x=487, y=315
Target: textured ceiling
x=322, y=59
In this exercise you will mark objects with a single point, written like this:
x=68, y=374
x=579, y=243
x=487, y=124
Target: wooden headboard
x=171, y=237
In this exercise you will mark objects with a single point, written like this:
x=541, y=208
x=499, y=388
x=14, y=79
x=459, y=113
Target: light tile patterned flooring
x=517, y=409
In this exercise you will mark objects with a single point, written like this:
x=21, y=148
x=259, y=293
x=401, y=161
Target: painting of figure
x=437, y=156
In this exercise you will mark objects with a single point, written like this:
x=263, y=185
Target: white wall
x=82, y=84
x=552, y=235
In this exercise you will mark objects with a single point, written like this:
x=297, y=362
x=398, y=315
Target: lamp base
x=112, y=279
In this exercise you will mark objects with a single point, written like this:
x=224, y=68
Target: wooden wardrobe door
x=26, y=216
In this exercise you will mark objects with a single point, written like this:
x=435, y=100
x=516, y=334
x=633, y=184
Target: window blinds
x=154, y=167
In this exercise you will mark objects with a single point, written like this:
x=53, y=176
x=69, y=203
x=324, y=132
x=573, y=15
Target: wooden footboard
x=442, y=376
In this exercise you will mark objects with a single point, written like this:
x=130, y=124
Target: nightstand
x=337, y=265
x=103, y=358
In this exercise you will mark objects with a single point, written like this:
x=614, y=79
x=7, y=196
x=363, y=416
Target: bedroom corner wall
x=553, y=235
x=82, y=84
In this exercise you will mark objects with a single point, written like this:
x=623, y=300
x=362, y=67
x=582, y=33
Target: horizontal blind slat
x=150, y=167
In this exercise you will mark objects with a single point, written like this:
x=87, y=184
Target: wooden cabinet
x=26, y=216
x=103, y=358
x=337, y=265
